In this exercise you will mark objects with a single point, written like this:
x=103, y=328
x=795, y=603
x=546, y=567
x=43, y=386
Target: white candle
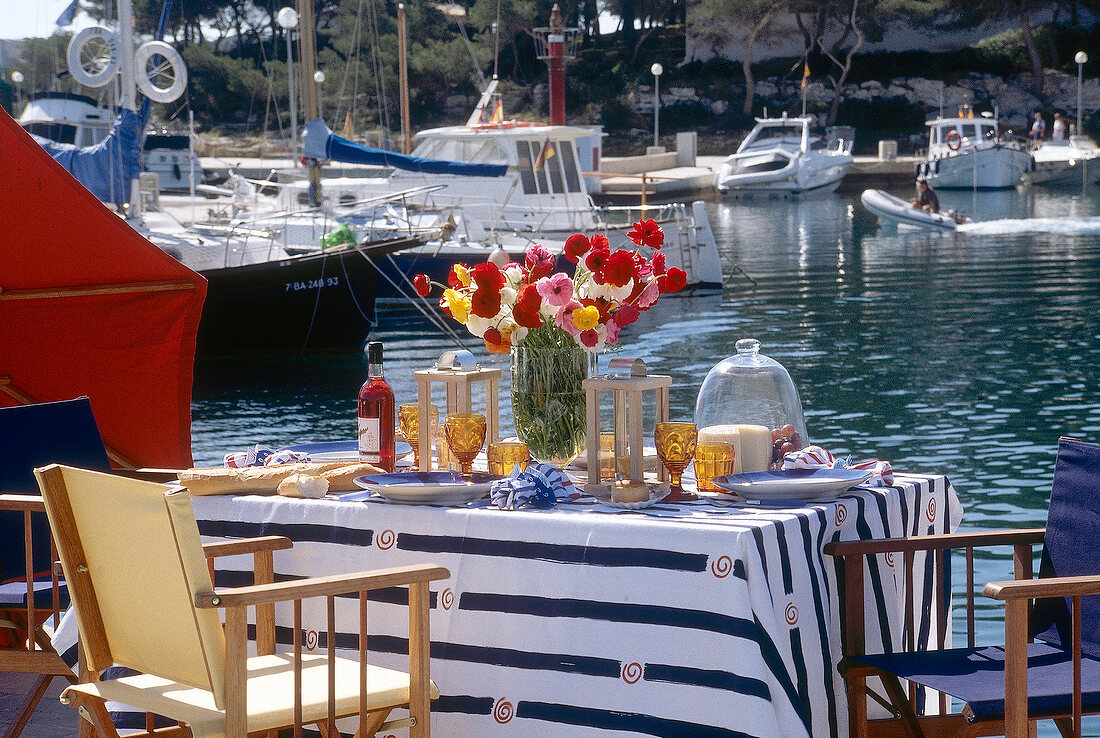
x=752, y=444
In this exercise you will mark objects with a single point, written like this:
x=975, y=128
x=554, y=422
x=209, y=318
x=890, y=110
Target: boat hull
x=314, y=303
x=803, y=175
x=896, y=210
x=996, y=167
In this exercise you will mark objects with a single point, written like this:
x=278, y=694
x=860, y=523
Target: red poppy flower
x=619, y=268
x=589, y=337
x=599, y=241
x=452, y=278
x=576, y=246
x=485, y=303
x=444, y=307
x=497, y=342
x=647, y=233
x=658, y=263
x=422, y=284
x=675, y=280
x=526, y=310
x=596, y=259
x=626, y=315
x=487, y=276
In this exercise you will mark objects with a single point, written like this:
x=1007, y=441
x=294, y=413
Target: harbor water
x=965, y=353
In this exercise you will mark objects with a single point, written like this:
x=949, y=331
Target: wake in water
x=1033, y=225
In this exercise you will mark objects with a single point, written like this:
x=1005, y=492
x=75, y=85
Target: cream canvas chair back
x=132, y=556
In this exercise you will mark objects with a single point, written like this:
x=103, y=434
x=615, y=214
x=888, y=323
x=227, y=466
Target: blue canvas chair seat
x=14, y=594
x=993, y=681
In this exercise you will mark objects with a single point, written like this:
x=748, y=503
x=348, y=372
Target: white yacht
x=967, y=152
x=79, y=120
x=780, y=156
x=503, y=184
x=1062, y=162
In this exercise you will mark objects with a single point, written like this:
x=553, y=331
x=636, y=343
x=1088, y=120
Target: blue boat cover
x=106, y=168
x=318, y=142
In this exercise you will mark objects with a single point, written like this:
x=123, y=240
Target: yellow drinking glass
x=504, y=455
x=408, y=419
x=465, y=433
x=676, y=448
x=712, y=459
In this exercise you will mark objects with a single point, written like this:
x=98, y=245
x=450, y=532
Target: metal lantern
x=627, y=381
x=458, y=371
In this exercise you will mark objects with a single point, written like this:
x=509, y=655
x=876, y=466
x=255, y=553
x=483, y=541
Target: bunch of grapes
x=785, y=440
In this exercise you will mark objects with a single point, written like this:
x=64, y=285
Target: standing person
x=926, y=197
x=1038, y=129
x=1058, y=130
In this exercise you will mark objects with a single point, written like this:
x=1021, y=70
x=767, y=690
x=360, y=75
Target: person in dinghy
x=928, y=201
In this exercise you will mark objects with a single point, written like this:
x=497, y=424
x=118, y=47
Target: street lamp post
x=17, y=78
x=319, y=78
x=1081, y=57
x=288, y=20
x=657, y=71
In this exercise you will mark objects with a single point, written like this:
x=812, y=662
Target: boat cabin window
x=778, y=132
x=60, y=132
x=969, y=131
x=474, y=152
x=541, y=166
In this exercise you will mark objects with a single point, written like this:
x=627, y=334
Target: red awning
x=90, y=307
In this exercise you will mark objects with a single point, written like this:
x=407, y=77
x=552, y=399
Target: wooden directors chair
x=157, y=613
x=1004, y=688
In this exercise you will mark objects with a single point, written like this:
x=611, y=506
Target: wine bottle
x=376, y=414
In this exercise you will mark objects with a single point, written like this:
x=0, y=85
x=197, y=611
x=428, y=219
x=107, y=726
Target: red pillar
x=555, y=42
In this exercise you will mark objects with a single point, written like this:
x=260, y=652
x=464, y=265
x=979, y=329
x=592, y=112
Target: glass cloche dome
x=752, y=389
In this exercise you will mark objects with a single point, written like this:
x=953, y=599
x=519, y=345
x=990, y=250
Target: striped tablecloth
x=583, y=620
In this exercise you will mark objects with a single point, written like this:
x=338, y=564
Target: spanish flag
x=805, y=75
x=544, y=156
x=498, y=113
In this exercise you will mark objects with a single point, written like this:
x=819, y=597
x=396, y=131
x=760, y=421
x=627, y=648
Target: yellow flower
x=458, y=304
x=463, y=275
x=586, y=318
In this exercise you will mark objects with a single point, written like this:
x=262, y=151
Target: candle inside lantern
x=752, y=444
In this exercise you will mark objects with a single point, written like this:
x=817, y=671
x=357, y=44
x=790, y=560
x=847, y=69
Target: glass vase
x=547, y=398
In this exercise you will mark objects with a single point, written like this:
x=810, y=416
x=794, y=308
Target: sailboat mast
x=406, y=132
x=308, y=53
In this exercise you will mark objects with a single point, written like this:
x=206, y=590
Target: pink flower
x=556, y=289
x=539, y=260
x=624, y=316
x=564, y=317
x=649, y=296
x=613, y=329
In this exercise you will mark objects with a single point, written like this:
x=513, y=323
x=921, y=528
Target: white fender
x=147, y=72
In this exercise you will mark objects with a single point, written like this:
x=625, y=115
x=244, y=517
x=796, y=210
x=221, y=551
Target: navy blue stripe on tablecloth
x=803, y=707
x=863, y=529
x=561, y=553
x=812, y=550
x=710, y=678
x=297, y=532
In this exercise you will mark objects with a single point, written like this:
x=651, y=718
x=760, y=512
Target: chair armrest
x=246, y=546
x=148, y=474
x=320, y=586
x=1025, y=536
x=22, y=503
x=1050, y=587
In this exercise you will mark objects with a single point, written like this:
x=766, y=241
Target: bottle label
x=370, y=439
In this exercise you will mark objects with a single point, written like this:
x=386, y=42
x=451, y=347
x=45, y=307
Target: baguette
x=262, y=480
x=343, y=478
x=303, y=485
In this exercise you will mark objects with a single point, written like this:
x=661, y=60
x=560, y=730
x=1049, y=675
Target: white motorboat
x=896, y=210
x=780, y=156
x=1062, y=162
x=79, y=120
x=504, y=184
x=967, y=152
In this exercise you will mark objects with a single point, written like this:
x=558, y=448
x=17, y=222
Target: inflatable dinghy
x=896, y=210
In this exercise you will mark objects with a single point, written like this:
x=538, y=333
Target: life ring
x=151, y=72
x=93, y=56
x=953, y=140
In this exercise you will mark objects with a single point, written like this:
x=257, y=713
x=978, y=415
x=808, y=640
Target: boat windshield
x=454, y=149
x=772, y=133
x=60, y=132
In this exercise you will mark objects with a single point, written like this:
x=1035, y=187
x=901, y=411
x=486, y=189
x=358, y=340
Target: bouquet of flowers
x=556, y=323
x=503, y=304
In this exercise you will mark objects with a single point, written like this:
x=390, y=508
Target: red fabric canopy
x=90, y=307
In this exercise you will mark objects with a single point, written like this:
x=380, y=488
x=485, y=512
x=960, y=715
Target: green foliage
x=227, y=89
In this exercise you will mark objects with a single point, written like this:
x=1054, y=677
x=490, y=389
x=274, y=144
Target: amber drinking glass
x=676, y=448
x=504, y=455
x=465, y=434
x=408, y=419
x=712, y=459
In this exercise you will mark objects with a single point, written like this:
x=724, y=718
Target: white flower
x=609, y=292
x=514, y=275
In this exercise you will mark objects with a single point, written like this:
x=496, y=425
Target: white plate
x=656, y=494
x=340, y=450
x=796, y=484
x=429, y=488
